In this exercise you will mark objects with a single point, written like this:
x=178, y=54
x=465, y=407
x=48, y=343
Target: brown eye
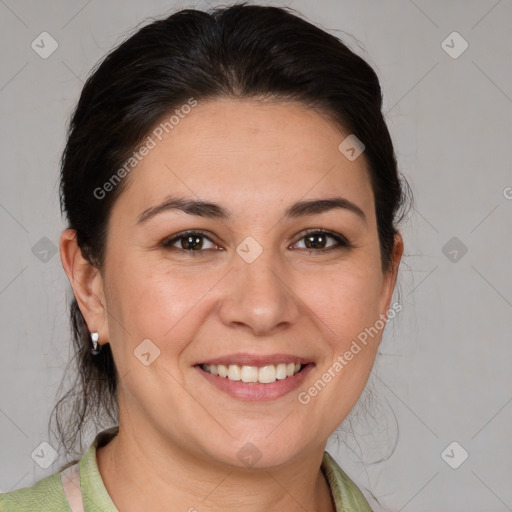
x=322, y=241
x=190, y=242
x=316, y=241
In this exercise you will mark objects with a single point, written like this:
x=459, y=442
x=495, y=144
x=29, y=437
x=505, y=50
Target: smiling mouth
x=254, y=374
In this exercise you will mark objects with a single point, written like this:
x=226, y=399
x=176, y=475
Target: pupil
x=319, y=244
x=190, y=242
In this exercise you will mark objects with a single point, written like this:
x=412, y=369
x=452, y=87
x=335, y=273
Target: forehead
x=246, y=153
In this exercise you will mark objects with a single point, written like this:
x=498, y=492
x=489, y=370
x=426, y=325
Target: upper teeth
x=264, y=374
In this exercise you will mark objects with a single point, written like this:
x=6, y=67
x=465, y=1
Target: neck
x=144, y=474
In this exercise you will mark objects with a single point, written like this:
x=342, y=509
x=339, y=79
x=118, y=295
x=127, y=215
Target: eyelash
x=342, y=242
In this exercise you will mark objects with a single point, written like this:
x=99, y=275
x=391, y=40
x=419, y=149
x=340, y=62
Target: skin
x=179, y=435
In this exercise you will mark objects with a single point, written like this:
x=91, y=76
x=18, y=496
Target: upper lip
x=256, y=360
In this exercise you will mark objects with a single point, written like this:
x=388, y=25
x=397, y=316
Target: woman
x=232, y=198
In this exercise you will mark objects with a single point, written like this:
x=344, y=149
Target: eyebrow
x=316, y=206
x=216, y=211
x=190, y=206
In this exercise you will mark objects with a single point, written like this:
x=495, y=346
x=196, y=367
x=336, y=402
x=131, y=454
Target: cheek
x=346, y=301
x=157, y=301
x=348, y=307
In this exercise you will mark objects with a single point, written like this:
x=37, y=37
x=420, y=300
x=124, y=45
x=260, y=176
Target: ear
x=389, y=281
x=87, y=284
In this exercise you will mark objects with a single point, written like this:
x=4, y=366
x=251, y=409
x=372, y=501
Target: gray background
x=444, y=372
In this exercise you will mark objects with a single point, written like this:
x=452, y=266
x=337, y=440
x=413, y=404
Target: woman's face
x=254, y=285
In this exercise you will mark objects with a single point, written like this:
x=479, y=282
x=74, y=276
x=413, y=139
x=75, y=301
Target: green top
x=48, y=495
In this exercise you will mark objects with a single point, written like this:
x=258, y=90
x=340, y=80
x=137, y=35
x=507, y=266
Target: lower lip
x=256, y=391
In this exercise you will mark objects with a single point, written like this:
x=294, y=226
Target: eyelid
x=169, y=241
x=341, y=240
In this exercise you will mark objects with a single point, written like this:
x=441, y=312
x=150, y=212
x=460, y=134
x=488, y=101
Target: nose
x=259, y=297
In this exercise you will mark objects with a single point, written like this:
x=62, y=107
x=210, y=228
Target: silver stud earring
x=96, y=349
